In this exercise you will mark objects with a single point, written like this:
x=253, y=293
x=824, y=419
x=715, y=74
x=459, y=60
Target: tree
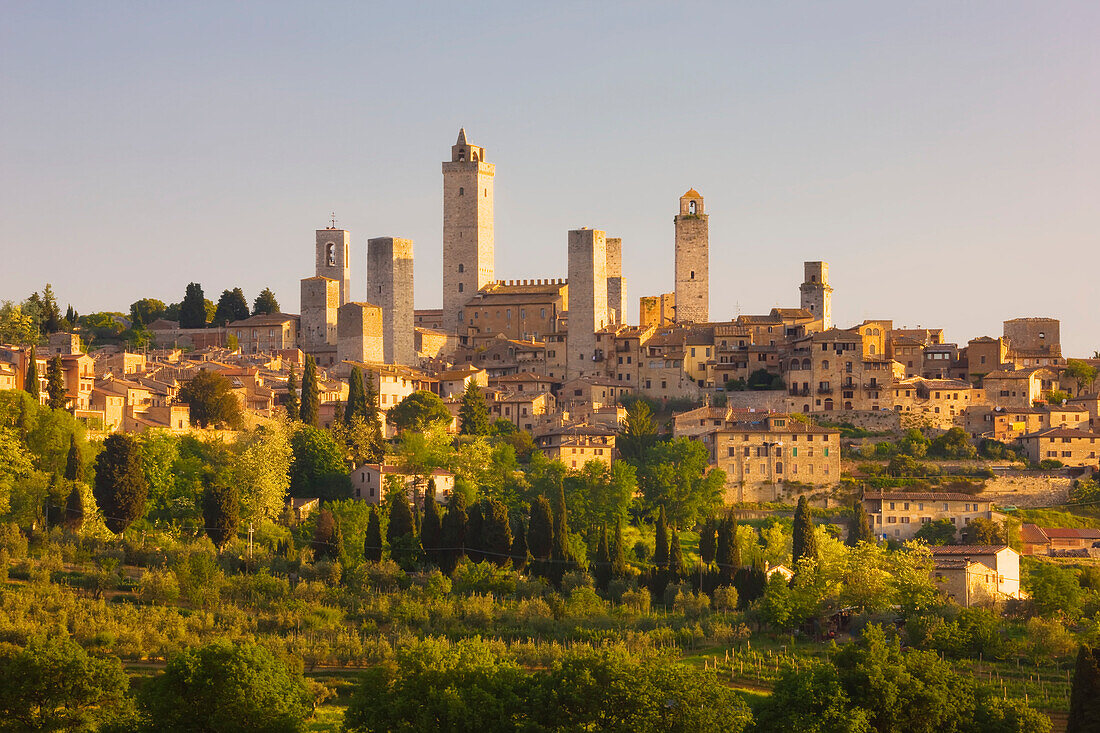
x=763, y=379
x=983, y=531
x=678, y=477
x=193, y=307
x=637, y=433
x=518, y=551
x=496, y=531
x=212, y=401
x=146, y=310
x=261, y=470
x=540, y=534
x=74, y=509
x=675, y=559
x=707, y=540
x=30, y=383
x=939, y=532
x=431, y=528
x=473, y=415
x=1055, y=590
x=955, y=443
x=52, y=684
x=265, y=303
x=226, y=687
x=454, y=532
x=120, y=486
x=1084, y=698
x=311, y=397
x=221, y=510
x=357, y=398
x=805, y=539
x=328, y=540
x=50, y=318
x=371, y=416
x=292, y=405
x=418, y=412
x=811, y=700
x=617, y=554
x=660, y=540
x=317, y=465
x=401, y=518
x=561, y=555
x=601, y=563
x=16, y=325
x=57, y=397
x=727, y=549
x=372, y=542
x=232, y=307
x=860, y=528
x=74, y=463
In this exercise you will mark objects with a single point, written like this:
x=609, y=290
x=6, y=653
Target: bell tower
x=692, y=260
x=334, y=258
x=467, y=228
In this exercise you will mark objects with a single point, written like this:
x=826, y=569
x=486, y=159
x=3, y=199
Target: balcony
x=823, y=389
x=873, y=385
x=800, y=391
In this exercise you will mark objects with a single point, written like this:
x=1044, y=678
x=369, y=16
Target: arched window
x=331, y=254
x=806, y=364
x=805, y=409
x=461, y=267
x=847, y=405
x=829, y=404
x=794, y=365
x=872, y=349
x=691, y=207
x=460, y=287
x=825, y=364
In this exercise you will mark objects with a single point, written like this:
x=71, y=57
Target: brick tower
x=334, y=259
x=817, y=294
x=467, y=228
x=692, y=260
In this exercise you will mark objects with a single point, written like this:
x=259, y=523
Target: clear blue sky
x=943, y=157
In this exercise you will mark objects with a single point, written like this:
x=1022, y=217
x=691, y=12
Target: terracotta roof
x=1032, y=534
x=1071, y=533
x=923, y=496
x=691, y=194
x=964, y=550
x=1062, y=433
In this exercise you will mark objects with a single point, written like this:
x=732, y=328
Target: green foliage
x=16, y=326
x=317, y=465
x=328, y=539
x=228, y=688
x=599, y=495
x=1084, y=701
x=372, y=541
x=57, y=397
x=293, y=404
x=419, y=412
x=120, y=486
x=811, y=700
x=676, y=476
x=311, y=399
x=762, y=379
x=473, y=415
x=1057, y=397
x=954, y=444
x=192, y=311
x=637, y=434
x=232, y=306
x=401, y=518
x=983, y=531
x=265, y=303
x=212, y=401
x=30, y=381
x=1054, y=590
x=804, y=542
x=146, y=310
x=221, y=506
x=860, y=528
x=938, y=532
x=53, y=684
x=540, y=534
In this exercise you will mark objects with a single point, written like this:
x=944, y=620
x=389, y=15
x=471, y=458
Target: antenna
x=333, y=219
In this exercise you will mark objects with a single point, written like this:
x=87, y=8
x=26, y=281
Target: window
x=461, y=267
x=460, y=290
x=461, y=191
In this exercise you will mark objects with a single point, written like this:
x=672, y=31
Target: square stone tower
x=334, y=259
x=616, y=283
x=467, y=228
x=817, y=294
x=320, y=299
x=390, y=286
x=692, y=260
x=359, y=333
x=587, y=301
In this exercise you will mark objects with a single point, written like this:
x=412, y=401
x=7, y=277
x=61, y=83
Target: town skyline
x=861, y=167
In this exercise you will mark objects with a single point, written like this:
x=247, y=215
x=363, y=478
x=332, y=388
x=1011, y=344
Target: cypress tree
x=728, y=549
x=601, y=563
x=860, y=529
x=292, y=404
x=120, y=487
x=56, y=395
x=265, y=303
x=338, y=412
x=30, y=383
x=454, y=532
x=473, y=415
x=372, y=543
x=221, y=510
x=519, y=547
x=675, y=559
x=496, y=531
x=540, y=539
x=474, y=526
x=1084, y=698
x=370, y=401
x=311, y=399
x=431, y=529
x=401, y=518
x=357, y=398
x=560, y=555
x=74, y=509
x=193, y=307
x=660, y=541
x=617, y=553
x=804, y=540
x=74, y=464
x=707, y=539
x=326, y=536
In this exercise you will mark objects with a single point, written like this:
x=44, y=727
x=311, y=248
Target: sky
x=943, y=157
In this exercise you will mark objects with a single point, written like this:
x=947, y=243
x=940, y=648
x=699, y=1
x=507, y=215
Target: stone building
x=616, y=283
x=359, y=333
x=828, y=371
x=1070, y=446
x=576, y=445
x=515, y=309
x=940, y=403
x=657, y=310
x=468, y=253
x=1019, y=387
x=320, y=301
x=692, y=260
x=587, y=300
x=334, y=259
x=265, y=333
x=897, y=515
x=390, y=286
x=984, y=355
x=1033, y=341
x=817, y=294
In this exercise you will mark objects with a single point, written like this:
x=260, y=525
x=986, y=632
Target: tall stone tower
x=587, y=300
x=616, y=283
x=467, y=228
x=692, y=260
x=817, y=294
x=390, y=286
x=317, y=326
x=334, y=259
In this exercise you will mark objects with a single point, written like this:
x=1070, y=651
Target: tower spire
x=461, y=136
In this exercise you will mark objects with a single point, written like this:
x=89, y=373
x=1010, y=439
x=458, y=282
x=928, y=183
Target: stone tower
x=587, y=301
x=467, y=228
x=616, y=283
x=692, y=260
x=817, y=294
x=390, y=287
x=317, y=327
x=359, y=333
x=334, y=259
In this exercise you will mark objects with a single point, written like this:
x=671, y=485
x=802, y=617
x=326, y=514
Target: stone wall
x=587, y=300
x=390, y=286
x=359, y=333
x=334, y=259
x=692, y=261
x=468, y=249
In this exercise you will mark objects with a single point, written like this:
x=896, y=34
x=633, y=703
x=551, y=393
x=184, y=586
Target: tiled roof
x=923, y=496
x=964, y=550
